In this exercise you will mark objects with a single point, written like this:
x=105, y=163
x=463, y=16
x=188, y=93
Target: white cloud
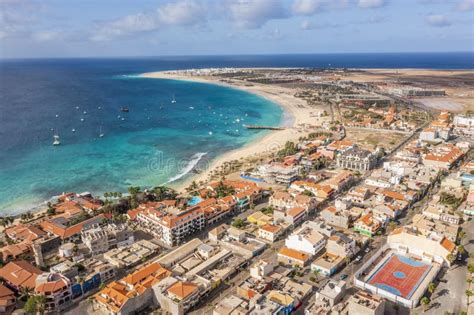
x=184, y=12
x=438, y=20
x=310, y=7
x=128, y=25
x=370, y=4
x=466, y=5
x=306, y=7
x=255, y=13
x=306, y=25
x=45, y=36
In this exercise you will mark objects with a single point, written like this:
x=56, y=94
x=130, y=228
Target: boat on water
x=101, y=134
x=173, y=101
x=56, y=140
x=124, y=109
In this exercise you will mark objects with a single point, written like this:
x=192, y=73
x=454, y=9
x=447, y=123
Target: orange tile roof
x=173, y=220
x=448, y=245
x=6, y=296
x=340, y=144
x=393, y=194
x=132, y=214
x=271, y=228
x=245, y=193
x=151, y=269
x=331, y=209
x=397, y=231
x=448, y=157
x=168, y=203
x=117, y=293
x=227, y=200
x=281, y=195
x=207, y=202
x=302, y=199
x=296, y=211
x=288, y=252
x=324, y=188
x=20, y=274
x=23, y=232
x=51, y=286
x=65, y=232
x=369, y=221
x=15, y=250
x=68, y=207
x=182, y=289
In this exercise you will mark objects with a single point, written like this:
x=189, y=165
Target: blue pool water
x=194, y=201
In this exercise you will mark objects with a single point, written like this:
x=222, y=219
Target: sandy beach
x=297, y=113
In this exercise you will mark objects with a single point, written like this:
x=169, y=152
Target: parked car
x=343, y=276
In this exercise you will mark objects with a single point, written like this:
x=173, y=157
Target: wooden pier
x=264, y=127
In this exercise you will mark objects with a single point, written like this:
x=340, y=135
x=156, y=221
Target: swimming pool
x=194, y=201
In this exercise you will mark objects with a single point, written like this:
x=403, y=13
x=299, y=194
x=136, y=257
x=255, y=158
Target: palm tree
x=468, y=293
x=25, y=293
x=470, y=268
x=316, y=273
x=425, y=302
x=431, y=287
x=91, y=299
x=461, y=249
x=450, y=258
x=133, y=190
x=35, y=304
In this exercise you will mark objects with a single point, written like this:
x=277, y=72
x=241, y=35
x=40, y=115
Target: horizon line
x=233, y=55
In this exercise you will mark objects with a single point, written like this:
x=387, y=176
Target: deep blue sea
x=157, y=141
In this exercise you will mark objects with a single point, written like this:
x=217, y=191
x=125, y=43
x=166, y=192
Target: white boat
x=101, y=134
x=173, y=101
x=56, y=140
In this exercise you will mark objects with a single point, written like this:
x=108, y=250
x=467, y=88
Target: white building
x=100, y=239
x=171, y=226
x=261, y=269
x=307, y=240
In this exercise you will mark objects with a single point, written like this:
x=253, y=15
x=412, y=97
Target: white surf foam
x=189, y=167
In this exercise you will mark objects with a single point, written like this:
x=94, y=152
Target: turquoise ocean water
x=156, y=141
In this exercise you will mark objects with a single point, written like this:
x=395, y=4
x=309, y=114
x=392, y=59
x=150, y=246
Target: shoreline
x=295, y=113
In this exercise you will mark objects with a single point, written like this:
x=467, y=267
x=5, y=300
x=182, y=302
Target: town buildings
x=100, y=239
x=56, y=290
x=306, y=239
x=357, y=159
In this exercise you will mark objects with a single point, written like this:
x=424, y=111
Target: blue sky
x=96, y=28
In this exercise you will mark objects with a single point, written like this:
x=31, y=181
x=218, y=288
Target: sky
x=115, y=28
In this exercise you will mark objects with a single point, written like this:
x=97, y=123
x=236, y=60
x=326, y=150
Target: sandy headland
x=296, y=115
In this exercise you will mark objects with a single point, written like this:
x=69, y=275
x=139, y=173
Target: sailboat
x=56, y=139
x=101, y=134
x=173, y=101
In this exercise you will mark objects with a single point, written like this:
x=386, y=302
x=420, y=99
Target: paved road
x=450, y=295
